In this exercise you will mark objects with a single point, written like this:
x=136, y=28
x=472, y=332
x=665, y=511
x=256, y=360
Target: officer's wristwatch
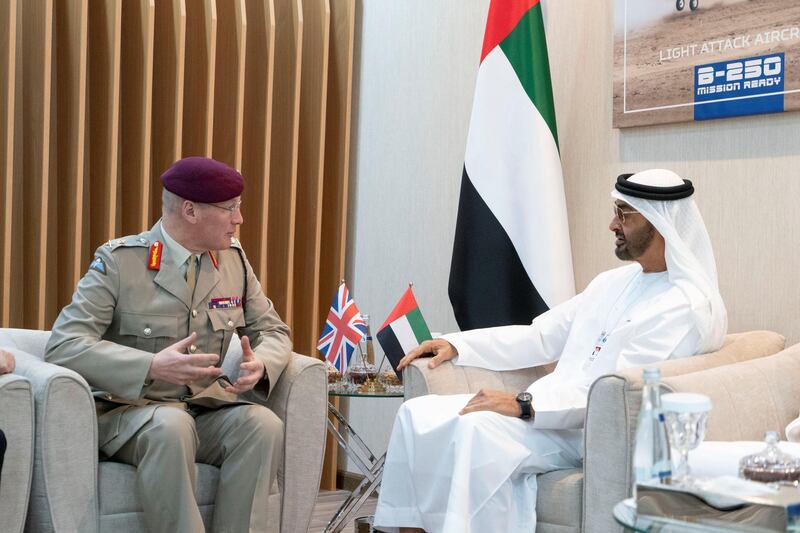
x=524, y=401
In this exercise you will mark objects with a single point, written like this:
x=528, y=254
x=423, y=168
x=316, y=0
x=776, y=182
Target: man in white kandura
x=468, y=463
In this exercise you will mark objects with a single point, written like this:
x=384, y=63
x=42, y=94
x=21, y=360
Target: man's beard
x=635, y=244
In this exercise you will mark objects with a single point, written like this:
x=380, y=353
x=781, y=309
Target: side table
x=625, y=515
x=360, y=454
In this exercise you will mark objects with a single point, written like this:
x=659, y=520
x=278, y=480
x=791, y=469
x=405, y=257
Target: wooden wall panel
x=18, y=254
x=283, y=160
x=105, y=43
x=337, y=152
x=310, y=163
x=8, y=62
x=37, y=47
x=229, y=82
x=336, y=176
x=136, y=119
x=169, y=60
x=198, y=96
x=257, y=126
x=70, y=58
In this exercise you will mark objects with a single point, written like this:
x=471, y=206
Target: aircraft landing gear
x=680, y=4
x=693, y=4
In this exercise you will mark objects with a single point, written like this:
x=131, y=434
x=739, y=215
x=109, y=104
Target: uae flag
x=403, y=330
x=511, y=255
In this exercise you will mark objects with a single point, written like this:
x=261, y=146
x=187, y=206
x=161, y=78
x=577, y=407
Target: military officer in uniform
x=148, y=326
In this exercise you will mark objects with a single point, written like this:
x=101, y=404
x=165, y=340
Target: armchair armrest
x=300, y=399
x=447, y=378
x=16, y=422
x=749, y=398
x=30, y=341
x=64, y=486
x=613, y=407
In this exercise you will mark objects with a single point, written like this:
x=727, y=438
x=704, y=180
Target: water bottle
x=367, y=348
x=363, y=365
x=651, y=460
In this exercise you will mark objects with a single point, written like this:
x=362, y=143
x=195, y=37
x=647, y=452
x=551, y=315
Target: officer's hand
x=174, y=366
x=7, y=362
x=250, y=371
x=501, y=402
x=440, y=349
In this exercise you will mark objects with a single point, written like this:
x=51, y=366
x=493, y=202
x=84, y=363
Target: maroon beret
x=204, y=180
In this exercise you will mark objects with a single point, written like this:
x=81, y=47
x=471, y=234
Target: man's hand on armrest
x=7, y=362
x=174, y=366
x=440, y=349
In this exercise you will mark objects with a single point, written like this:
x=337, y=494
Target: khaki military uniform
x=121, y=314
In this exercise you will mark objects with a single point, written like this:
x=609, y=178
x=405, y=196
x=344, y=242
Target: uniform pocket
x=122, y=425
x=224, y=323
x=226, y=319
x=108, y=425
x=147, y=328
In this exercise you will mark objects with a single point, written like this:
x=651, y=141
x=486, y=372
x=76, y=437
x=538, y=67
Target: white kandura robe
x=477, y=473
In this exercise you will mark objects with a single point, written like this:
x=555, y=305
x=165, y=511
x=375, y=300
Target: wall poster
x=684, y=60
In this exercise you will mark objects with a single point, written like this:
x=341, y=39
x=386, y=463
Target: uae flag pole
x=511, y=254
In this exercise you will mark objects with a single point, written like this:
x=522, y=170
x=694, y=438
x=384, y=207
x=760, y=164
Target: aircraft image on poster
x=680, y=4
x=689, y=60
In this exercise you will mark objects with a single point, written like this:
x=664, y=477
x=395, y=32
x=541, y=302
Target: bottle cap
x=685, y=402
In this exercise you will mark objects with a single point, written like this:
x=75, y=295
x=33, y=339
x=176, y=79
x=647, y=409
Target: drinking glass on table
x=685, y=415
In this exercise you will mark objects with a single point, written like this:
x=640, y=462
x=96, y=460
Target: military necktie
x=191, y=272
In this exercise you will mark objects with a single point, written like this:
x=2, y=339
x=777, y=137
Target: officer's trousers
x=245, y=441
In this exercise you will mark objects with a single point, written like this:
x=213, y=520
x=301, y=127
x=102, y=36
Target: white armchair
x=582, y=499
x=72, y=491
x=16, y=422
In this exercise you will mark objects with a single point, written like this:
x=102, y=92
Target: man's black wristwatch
x=524, y=401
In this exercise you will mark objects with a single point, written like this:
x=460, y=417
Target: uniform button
x=108, y=396
x=147, y=332
x=192, y=348
x=230, y=323
x=194, y=313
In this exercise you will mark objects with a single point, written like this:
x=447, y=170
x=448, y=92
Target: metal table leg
x=365, y=460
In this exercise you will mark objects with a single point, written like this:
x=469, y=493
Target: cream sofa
x=16, y=421
x=581, y=499
x=73, y=492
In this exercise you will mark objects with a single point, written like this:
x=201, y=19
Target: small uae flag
x=403, y=330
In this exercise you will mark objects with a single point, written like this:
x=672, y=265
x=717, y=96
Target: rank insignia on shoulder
x=98, y=265
x=154, y=257
x=225, y=303
x=126, y=242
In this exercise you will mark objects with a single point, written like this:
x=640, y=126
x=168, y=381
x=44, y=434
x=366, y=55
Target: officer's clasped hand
x=250, y=371
x=175, y=366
